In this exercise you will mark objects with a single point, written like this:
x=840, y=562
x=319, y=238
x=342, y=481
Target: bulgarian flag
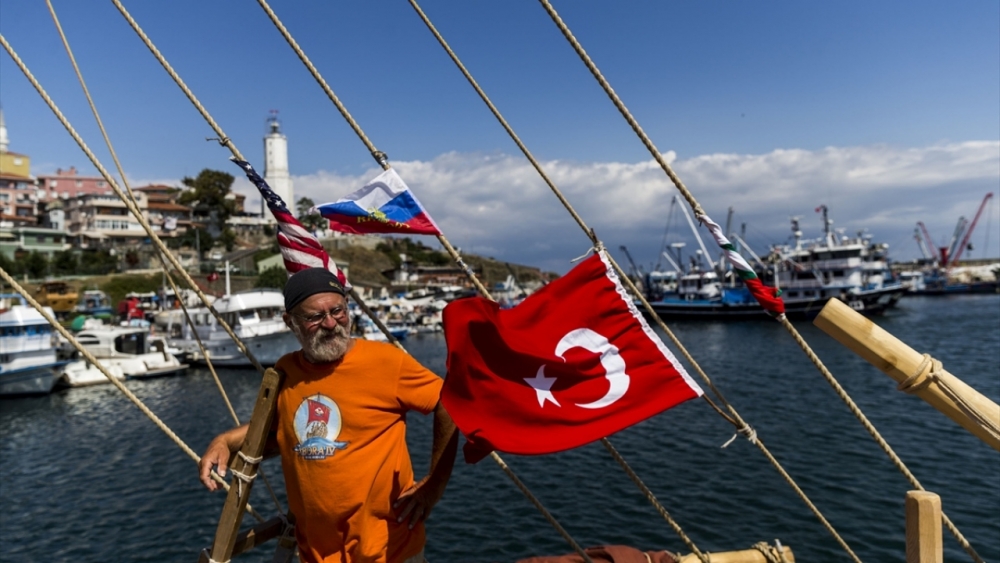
x=768, y=297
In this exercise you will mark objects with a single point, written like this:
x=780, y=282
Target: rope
x=696, y=207
x=856, y=411
x=382, y=159
x=114, y=380
x=208, y=555
x=734, y=417
x=160, y=254
x=772, y=554
x=654, y=501
x=748, y=432
x=378, y=155
x=927, y=373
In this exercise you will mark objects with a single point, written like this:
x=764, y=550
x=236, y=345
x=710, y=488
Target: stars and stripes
x=300, y=248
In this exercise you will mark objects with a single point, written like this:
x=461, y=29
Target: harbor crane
x=948, y=256
x=635, y=269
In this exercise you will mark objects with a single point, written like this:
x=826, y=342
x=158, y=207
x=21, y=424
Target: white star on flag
x=542, y=386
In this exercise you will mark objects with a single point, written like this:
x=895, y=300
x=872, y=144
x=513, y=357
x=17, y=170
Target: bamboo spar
x=942, y=390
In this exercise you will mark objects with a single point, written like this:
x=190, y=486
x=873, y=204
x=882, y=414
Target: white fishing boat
x=852, y=269
x=131, y=349
x=255, y=317
x=28, y=361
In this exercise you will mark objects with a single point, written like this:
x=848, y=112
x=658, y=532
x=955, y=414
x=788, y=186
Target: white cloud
x=498, y=205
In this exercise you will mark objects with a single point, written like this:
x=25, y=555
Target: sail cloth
x=768, y=297
x=573, y=363
x=384, y=205
x=299, y=248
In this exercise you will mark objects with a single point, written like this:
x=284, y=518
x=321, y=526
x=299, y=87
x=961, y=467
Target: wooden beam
x=899, y=362
x=743, y=556
x=253, y=448
x=923, y=528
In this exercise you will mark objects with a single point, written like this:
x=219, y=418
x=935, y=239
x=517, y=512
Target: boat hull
x=34, y=380
x=873, y=302
x=267, y=348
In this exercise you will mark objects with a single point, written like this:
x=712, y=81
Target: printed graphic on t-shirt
x=317, y=425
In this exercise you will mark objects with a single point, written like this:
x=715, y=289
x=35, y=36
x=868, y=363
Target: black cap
x=306, y=283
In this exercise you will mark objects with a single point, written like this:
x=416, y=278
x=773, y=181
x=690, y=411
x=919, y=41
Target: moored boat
x=28, y=361
x=132, y=349
x=255, y=317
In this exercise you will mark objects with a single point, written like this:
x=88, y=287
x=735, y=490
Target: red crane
x=930, y=243
x=952, y=260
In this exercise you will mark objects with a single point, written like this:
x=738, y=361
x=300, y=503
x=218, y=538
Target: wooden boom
x=916, y=373
x=743, y=556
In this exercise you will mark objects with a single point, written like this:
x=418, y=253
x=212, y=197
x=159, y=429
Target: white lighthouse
x=276, y=166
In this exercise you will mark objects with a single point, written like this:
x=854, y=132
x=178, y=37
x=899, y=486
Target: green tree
x=311, y=221
x=13, y=266
x=97, y=262
x=65, y=263
x=273, y=277
x=207, y=196
x=37, y=264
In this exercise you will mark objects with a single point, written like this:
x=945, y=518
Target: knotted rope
x=927, y=373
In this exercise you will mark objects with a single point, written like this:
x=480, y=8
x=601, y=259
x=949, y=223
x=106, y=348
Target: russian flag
x=384, y=205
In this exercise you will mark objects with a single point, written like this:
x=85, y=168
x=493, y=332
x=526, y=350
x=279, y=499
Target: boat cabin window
x=793, y=293
x=133, y=343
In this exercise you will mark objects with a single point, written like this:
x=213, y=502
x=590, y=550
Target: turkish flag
x=318, y=412
x=573, y=363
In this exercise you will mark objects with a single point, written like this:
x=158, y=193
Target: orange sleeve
x=417, y=388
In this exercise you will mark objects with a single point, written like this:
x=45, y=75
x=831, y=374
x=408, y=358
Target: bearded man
x=340, y=427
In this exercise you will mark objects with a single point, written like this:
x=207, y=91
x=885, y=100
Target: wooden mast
x=916, y=373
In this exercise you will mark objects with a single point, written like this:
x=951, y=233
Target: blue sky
x=889, y=113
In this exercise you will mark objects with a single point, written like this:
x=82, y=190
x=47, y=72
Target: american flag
x=300, y=249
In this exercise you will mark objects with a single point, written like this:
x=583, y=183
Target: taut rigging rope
x=159, y=254
x=698, y=211
x=735, y=419
x=383, y=161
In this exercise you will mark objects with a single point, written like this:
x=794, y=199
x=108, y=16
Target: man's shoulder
x=374, y=348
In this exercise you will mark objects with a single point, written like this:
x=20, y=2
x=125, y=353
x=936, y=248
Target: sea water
x=84, y=476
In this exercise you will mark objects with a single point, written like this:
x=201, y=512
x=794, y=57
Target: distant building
x=18, y=193
x=165, y=215
x=103, y=221
x=67, y=184
x=276, y=167
x=17, y=241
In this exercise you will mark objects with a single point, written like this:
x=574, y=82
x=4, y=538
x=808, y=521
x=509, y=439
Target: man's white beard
x=324, y=345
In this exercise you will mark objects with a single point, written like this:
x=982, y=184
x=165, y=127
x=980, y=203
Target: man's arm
x=418, y=501
x=218, y=453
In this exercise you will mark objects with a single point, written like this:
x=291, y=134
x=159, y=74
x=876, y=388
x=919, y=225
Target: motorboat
x=255, y=317
x=130, y=348
x=94, y=302
x=28, y=361
x=81, y=373
x=57, y=295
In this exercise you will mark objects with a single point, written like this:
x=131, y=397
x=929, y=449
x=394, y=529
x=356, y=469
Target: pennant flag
x=768, y=297
x=300, y=248
x=573, y=363
x=384, y=205
x=318, y=412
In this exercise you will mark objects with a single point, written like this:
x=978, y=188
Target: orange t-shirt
x=342, y=435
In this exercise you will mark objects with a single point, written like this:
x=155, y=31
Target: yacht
x=255, y=317
x=28, y=361
x=130, y=348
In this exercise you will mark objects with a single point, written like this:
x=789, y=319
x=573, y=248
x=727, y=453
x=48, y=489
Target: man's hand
x=417, y=502
x=218, y=453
